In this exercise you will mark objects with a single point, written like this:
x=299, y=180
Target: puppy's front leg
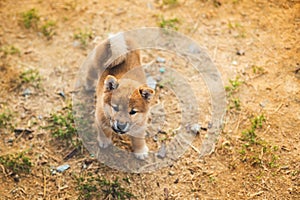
x=104, y=138
x=140, y=148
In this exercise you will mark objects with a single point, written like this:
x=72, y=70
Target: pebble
x=76, y=43
x=62, y=94
x=195, y=128
x=234, y=62
x=151, y=82
x=162, y=70
x=62, y=168
x=162, y=151
x=160, y=60
x=26, y=92
x=240, y=52
x=263, y=103
x=171, y=173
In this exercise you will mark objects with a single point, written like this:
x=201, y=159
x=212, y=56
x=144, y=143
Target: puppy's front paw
x=142, y=154
x=104, y=142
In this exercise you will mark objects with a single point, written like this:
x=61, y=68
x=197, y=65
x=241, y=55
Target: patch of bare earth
x=256, y=41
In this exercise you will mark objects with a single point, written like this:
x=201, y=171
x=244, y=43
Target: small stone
x=234, y=63
x=10, y=140
x=155, y=138
x=16, y=178
x=195, y=128
x=26, y=92
x=263, y=103
x=62, y=168
x=162, y=151
x=76, y=43
x=160, y=60
x=171, y=173
x=151, y=82
x=240, y=52
x=162, y=70
x=62, y=94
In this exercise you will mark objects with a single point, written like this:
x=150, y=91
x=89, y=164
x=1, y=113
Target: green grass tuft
x=48, y=29
x=168, y=23
x=16, y=163
x=100, y=188
x=30, y=18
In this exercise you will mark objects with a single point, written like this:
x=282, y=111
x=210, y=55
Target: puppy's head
x=126, y=104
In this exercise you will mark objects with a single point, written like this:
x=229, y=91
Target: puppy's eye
x=132, y=112
x=115, y=107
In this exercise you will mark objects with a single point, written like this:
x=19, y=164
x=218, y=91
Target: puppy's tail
x=112, y=52
x=118, y=49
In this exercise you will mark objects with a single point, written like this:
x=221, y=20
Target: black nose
x=121, y=125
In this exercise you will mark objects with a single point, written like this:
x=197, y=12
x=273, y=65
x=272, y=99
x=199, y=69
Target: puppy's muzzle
x=120, y=127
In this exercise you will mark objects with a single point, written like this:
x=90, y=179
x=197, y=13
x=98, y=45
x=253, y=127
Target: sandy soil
x=256, y=41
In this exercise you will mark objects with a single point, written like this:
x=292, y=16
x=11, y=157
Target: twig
x=277, y=109
x=193, y=147
x=256, y=194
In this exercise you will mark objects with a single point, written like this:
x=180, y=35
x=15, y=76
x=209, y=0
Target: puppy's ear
x=110, y=83
x=146, y=92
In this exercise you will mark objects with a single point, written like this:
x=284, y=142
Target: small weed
x=255, y=150
x=234, y=84
x=16, y=163
x=31, y=76
x=169, y=23
x=48, y=29
x=170, y=2
x=238, y=27
x=257, y=69
x=30, y=18
x=84, y=37
x=235, y=103
x=62, y=126
x=90, y=188
x=5, y=119
x=10, y=50
x=167, y=82
x=249, y=134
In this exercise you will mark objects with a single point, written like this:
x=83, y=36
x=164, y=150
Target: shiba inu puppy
x=122, y=96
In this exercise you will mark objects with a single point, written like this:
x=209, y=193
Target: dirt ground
x=254, y=44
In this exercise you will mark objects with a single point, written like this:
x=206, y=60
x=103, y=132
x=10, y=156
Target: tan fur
x=122, y=84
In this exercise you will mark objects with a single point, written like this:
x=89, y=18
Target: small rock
x=16, y=178
x=62, y=168
x=76, y=43
x=234, y=63
x=26, y=92
x=263, y=103
x=10, y=140
x=62, y=94
x=240, y=52
x=155, y=138
x=195, y=128
x=162, y=151
x=171, y=173
x=160, y=60
x=151, y=82
x=162, y=70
